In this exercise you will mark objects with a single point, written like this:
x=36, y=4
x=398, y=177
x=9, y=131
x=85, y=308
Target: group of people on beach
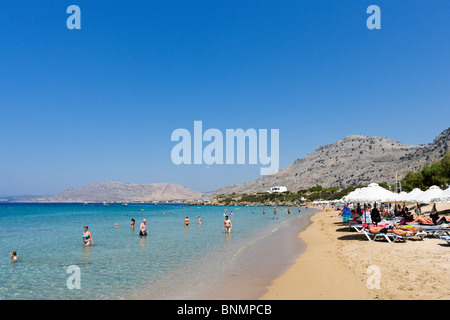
x=388, y=211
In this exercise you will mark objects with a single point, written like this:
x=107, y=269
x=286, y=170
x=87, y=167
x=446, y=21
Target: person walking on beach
x=87, y=237
x=143, y=228
x=227, y=225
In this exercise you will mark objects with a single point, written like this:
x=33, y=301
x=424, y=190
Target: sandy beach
x=336, y=265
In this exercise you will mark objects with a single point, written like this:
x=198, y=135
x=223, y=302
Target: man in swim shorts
x=143, y=228
x=227, y=225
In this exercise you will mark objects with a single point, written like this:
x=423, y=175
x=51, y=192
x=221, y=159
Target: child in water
x=13, y=255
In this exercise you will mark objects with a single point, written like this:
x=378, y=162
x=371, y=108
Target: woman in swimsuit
x=374, y=229
x=186, y=221
x=87, y=237
x=434, y=220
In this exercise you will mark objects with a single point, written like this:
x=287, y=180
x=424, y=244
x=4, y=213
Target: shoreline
x=240, y=271
x=335, y=266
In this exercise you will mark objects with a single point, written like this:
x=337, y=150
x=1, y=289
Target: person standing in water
x=199, y=220
x=227, y=225
x=186, y=221
x=143, y=228
x=87, y=237
x=132, y=223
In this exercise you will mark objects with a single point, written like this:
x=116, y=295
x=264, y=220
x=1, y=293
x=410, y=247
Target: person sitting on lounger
x=407, y=217
x=432, y=221
x=356, y=218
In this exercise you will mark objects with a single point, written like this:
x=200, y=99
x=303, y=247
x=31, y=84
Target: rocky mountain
x=124, y=192
x=353, y=160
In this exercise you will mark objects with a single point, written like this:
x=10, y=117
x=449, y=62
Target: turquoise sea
x=173, y=261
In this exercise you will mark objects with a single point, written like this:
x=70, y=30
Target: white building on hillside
x=277, y=189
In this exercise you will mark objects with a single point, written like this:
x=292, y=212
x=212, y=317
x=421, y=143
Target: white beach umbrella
x=433, y=192
x=373, y=193
x=444, y=197
x=352, y=196
x=411, y=196
x=400, y=197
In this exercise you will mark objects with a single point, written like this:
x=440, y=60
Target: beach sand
x=336, y=261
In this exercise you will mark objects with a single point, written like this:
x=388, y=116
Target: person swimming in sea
x=13, y=255
x=227, y=225
x=87, y=237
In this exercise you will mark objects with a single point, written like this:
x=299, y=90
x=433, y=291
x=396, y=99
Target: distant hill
x=353, y=160
x=122, y=192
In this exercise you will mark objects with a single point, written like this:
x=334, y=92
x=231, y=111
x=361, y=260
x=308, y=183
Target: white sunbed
x=446, y=238
x=392, y=237
x=437, y=233
x=429, y=226
x=357, y=227
x=419, y=235
x=372, y=237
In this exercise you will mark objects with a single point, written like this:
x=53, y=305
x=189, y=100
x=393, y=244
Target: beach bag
x=375, y=216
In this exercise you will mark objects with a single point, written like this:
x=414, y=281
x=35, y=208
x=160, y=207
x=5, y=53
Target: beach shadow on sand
x=353, y=237
x=345, y=229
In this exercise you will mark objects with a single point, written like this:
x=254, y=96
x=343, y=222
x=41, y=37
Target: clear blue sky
x=100, y=103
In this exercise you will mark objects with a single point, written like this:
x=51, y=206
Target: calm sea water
x=47, y=238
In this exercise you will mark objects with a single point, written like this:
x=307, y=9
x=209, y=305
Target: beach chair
x=372, y=237
x=392, y=237
x=357, y=227
x=437, y=233
x=395, y=237
x=446, y=238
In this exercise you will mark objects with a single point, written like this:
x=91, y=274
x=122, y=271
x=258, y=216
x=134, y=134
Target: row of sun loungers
x=390, y=237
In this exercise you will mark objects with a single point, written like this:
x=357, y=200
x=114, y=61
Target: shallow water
x=172, y=262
